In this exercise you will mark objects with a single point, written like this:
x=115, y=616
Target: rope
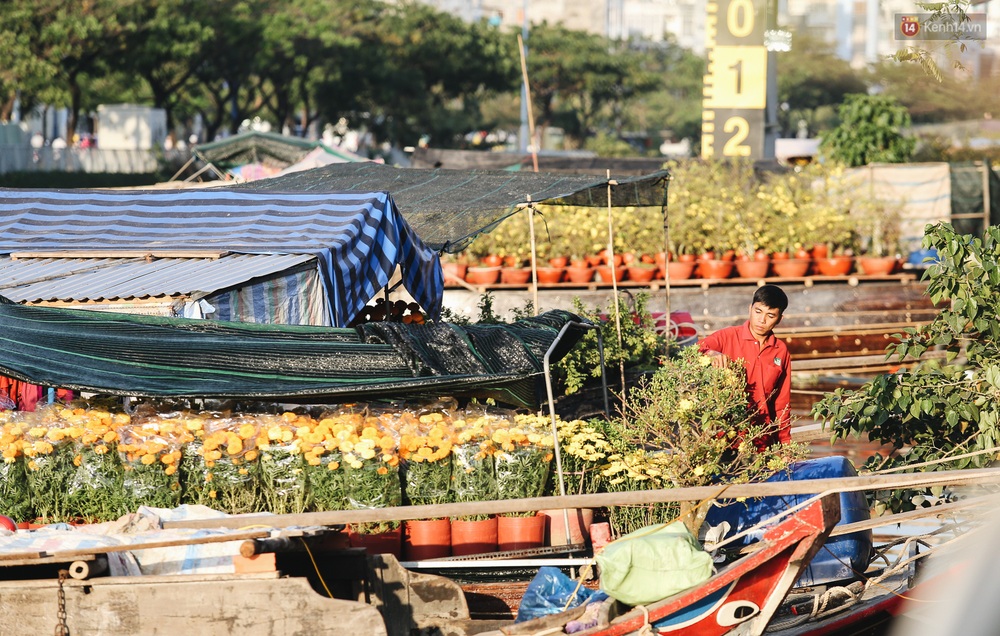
x=305, y=544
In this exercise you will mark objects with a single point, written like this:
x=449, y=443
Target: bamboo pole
x=534, y=255
x=614, y=290
x=527, y=97
x=601, y=500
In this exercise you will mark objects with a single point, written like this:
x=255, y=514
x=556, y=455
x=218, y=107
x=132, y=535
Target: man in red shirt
x=765, y=358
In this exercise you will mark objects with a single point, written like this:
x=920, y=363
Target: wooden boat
x=745, y=595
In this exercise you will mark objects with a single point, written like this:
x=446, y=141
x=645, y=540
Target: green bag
x=652, y=563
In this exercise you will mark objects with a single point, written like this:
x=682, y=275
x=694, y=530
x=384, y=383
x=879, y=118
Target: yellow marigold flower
x=100, y=449
x=235, y=446
x=148, y=459
x=382, y=470
x=213, y=455
x=704, y=360
x=170, y=470
x=77, y=460
x=211, y=494
x=251, y=455
x=289, y=417
x=33, y=465
x=274, y=433
x=333, y=466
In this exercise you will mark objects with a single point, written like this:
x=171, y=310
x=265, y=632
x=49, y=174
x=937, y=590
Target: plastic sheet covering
x=359, y=239
x=150, y=356
x=448, y=208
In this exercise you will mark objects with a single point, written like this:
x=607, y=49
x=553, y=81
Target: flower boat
x=741, y=598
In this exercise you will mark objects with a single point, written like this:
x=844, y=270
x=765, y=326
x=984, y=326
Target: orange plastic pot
x=580, y=520
x=641, y=274
x=550, y=275
x=521, y=533
x=426, y=539
x=482, y=275
x=752, y=268
x=834, y=266
x=715, y=268
x=579, y=274
x=679, y=270
x=877, y=265
x=515, y=275
x=790, y=267
x=473, y=537
x=379, y=543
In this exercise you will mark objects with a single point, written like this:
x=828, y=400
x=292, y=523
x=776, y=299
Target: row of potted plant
x=648, y=268
x=712, y=206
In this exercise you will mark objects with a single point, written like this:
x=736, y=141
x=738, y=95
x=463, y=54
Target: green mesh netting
x=150, y=356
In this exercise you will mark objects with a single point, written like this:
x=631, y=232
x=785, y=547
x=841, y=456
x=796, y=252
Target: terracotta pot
x=803, y=253
x=752, y=268
x=649, y=259
x=426, y=539
x=761, y=255
x=521, y=533
x=679, y=271
x=707, y=255
x=482, y=275
x=515, y=275
x=559, y=261
x=779, y=256
x=600, y=535
x=641, y=274
x=605, y=275
x=473, y=537
x=512, y=261
x=453, y=272
x=595, y=260
x=877, y=265
x=579, y=274
x=820, y=250
x=580, y=520
x=550, y=275
x=607, y=256
x=379, y=543
x=834, y=266
x=728, y=255
x=790, y=268
x=715, y=269
x=661, y=260
x=687, y=258
x=492, y=260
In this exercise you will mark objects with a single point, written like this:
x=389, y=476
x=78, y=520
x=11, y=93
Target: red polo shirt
x=769, y=372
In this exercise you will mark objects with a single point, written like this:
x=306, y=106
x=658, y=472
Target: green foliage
x=640, y=350
x=871, y=130
x=689, y=424
x=942, y=407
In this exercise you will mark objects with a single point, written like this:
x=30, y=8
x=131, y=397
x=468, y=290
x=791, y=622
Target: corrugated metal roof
x=101, y=279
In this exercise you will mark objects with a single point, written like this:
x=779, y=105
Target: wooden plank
x=600, y=500
x=73, y=555
x=919, y=513
x=859, y=361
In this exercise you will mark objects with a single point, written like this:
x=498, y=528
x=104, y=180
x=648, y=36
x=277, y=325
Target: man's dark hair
x=771, y=296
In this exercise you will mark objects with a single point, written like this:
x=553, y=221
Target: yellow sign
x=735, y=90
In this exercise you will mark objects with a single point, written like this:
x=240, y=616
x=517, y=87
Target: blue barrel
x=841, y=557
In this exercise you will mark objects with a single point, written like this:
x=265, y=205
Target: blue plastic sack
x=549, y=592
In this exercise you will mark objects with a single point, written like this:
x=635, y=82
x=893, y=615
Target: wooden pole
x=527, y=96
x=614, y=289
x=601, y=500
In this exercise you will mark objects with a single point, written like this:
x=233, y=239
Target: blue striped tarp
x=358, y=237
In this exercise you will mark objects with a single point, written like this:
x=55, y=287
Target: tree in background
x=944, y=409
x=812, y=83
x=871, y=130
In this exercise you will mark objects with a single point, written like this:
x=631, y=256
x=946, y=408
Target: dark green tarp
x=149, y=356
x=448, y=208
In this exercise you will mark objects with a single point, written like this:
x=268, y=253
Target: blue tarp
x=358, y=237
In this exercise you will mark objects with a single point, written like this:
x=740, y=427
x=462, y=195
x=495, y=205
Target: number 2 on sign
x=739, y=128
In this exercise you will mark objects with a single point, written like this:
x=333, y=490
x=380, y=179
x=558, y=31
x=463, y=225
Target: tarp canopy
x=278, y=151
x=152, y=356
x=358, y=237
x=448, y=208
